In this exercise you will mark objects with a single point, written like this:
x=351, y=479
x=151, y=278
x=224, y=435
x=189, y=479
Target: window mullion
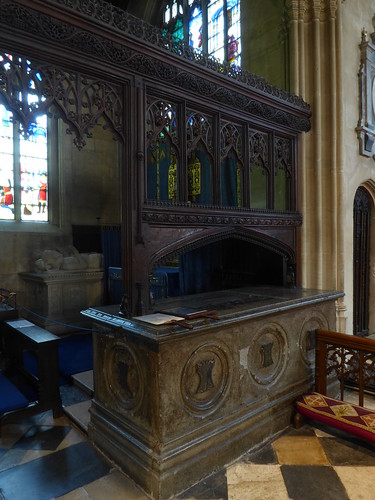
x=204, y=26
x=225, y=40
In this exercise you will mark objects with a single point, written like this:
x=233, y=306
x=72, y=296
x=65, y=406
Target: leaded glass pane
x=174, y=9
x=178, y=31
x=34, y=168
x=234, y=32
x=195, y=28
x=6, y=165
x=220, y=36
x=216, y=29
x=167, y=14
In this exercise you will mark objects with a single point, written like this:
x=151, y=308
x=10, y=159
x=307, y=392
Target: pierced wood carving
x=81, y=101
x=123, y=56
x=231, y=138
x=283, y=155
x=259, y=154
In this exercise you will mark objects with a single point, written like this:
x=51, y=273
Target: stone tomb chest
x=173, y=404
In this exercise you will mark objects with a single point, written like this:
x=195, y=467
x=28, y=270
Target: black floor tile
x=312, y=483
x=264, y=456
x=346, y=452
x=42, y=437
x=54, y=475
x=212, y=488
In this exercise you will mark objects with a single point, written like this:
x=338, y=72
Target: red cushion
x=348, y=417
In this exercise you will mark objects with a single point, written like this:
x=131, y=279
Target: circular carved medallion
x=267, y=355
x=206, y=379
x=123, y=377
x=307, y=336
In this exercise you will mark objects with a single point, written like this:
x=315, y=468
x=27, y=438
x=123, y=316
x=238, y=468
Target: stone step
x=85, y=381
x=79, y=413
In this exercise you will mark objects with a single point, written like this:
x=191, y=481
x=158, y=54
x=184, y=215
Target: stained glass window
x=211, y=26
x=195, y=28
x=23, y=169
x=23, y=151
x=216, y=29
x=233, y=32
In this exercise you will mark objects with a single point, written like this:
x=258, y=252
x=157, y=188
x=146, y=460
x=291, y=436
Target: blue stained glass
x=195, y=29
x=178, y=32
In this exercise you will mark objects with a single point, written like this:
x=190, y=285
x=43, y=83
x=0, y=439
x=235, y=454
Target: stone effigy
x=62, y=282
x=66, y=259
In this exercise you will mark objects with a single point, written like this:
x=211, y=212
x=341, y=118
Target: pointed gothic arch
x=362, y=209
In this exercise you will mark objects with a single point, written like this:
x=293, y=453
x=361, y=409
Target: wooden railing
x=350, y=358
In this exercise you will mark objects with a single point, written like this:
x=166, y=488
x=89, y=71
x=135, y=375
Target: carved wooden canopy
x=93, y=64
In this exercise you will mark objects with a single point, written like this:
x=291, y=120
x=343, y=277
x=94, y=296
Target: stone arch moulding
x=369, y=185
x=200, y=240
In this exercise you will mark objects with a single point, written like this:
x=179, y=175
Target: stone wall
x=326, y=61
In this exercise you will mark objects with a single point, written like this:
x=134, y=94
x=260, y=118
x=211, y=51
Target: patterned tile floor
x=42, y=459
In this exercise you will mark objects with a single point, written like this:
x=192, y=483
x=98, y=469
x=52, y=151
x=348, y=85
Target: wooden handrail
x=348, y=356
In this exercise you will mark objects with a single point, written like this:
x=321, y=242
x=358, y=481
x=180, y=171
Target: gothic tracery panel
x=259, y=169
x=200, y=146
x=162, y=151
x=283, y=173
x=231, y=165
x=83, y=102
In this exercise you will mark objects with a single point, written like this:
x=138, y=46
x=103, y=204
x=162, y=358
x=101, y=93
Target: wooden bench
x=18, y=337
x=346, y=359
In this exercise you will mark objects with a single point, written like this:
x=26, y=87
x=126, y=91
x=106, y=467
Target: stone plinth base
x=173, y=405
x=58, y=297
